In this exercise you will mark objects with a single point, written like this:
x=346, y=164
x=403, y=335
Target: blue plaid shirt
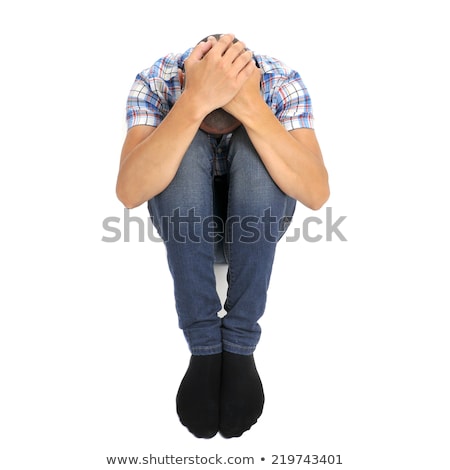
x=157, y=88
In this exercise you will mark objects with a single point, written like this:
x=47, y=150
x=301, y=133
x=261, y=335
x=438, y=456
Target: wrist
x=252, y=111
x=194, y=106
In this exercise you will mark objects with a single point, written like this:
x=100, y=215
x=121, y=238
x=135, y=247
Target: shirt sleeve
x=147, y=101
x=292, y=103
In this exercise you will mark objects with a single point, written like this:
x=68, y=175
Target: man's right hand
x=215, y=72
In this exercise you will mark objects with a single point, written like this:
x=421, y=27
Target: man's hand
x=248, y=96
x=216, y=71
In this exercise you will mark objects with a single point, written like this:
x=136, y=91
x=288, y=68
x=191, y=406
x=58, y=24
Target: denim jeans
x=189, y=217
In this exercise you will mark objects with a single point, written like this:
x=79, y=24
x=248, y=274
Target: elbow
x=319, y=198
x=128, y=200
x=129, y=204
x=316, y=205
x=316, y=195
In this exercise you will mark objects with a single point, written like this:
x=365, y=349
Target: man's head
x=219, y=122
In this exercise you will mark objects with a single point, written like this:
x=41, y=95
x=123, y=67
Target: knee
x=195, y=170
x=240, y=143
x=247, y=170
x=197, y=154
x=244, y=161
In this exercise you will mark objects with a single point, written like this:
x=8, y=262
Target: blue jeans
x=185, y=216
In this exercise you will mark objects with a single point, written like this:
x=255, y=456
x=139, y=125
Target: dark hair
x=220, y=120
x=217, y=36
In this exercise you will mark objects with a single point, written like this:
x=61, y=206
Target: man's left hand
x=248, y=95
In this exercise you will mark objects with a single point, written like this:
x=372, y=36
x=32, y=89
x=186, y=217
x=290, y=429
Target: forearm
x=149, y=167
x=215, y=71
x=296, y=167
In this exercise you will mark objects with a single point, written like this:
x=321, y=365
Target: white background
x=354, y=354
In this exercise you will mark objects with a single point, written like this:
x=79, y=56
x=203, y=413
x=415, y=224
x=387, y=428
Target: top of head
x=217, y=36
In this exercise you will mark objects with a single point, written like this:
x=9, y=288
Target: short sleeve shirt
x=157, y=88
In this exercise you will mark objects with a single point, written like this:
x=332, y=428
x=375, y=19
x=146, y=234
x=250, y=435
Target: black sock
x=242, y=395
x=198, y=397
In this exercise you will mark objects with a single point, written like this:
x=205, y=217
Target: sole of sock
x=198, y=397
x=242, y=395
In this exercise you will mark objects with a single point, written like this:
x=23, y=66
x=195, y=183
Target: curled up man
x=220, y=146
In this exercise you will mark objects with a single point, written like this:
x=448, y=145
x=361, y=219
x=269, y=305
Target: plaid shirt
x=157, y=88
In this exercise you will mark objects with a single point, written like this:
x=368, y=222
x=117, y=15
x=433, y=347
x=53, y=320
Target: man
x=219, y=115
